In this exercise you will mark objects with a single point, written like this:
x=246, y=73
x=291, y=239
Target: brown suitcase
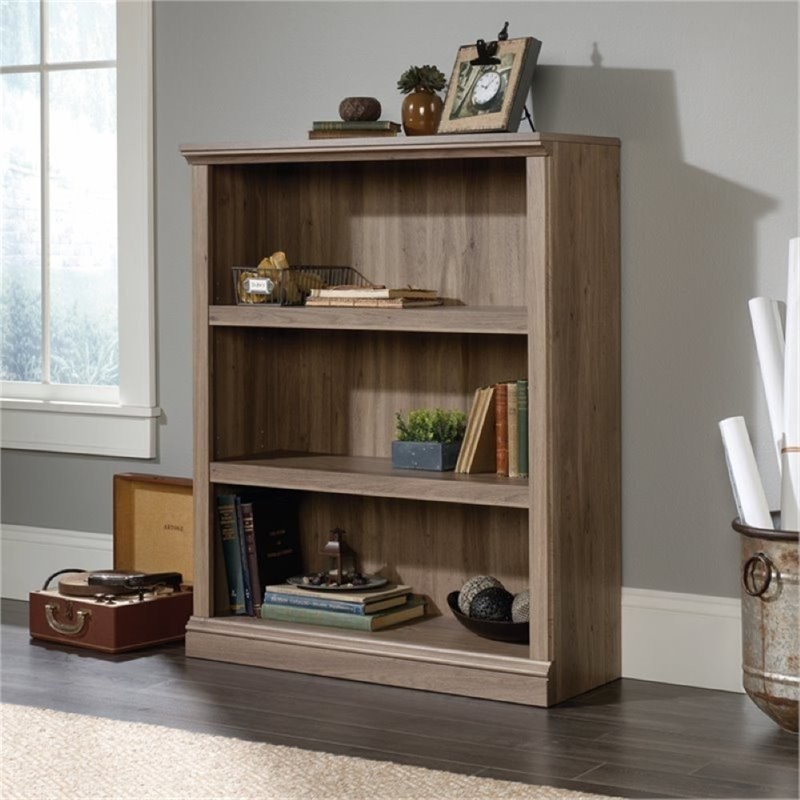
x=152, y=533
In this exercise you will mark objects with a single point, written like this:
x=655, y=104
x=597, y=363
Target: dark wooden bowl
x=490, y=629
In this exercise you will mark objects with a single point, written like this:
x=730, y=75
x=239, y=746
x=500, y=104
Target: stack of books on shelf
x=260, y=543
x=372, y=297
x=496, y=436
x=369, y=610
x=344, y=129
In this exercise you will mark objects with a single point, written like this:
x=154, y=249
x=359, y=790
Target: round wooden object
x=360, y=109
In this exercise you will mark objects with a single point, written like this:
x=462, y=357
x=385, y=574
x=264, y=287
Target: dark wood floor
x=630, y=738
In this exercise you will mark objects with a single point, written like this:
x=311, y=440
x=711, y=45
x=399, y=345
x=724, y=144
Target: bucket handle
x=756, y=585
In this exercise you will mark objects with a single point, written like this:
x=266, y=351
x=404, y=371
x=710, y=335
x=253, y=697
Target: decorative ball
x=493, y=603
x=360, y=109
x=472, y=587
x=521, y=607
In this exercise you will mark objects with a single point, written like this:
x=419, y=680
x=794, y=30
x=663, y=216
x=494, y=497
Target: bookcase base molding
x=370, y=659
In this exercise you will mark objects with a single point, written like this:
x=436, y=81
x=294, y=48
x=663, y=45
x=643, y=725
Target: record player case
x=153, y=524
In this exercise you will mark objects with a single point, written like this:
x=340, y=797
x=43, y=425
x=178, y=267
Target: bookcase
x=520, y=233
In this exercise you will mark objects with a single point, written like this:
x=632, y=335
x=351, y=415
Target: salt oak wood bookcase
x=520, y=232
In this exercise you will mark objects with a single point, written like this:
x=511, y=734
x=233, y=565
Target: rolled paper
x=790, y=461
x=748, y=490
x=768, y=332
x=790, y=480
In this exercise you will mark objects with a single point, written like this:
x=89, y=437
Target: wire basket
x=291, y=286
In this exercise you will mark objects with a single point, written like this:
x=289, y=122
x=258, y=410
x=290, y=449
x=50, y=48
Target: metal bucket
x=770, y=640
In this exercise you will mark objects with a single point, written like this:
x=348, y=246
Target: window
x=76, y=364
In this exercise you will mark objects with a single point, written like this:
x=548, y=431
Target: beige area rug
x=53, y=755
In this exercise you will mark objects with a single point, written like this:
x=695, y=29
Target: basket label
x=259, y=285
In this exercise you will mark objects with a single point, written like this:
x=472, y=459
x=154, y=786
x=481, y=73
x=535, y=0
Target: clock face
x=486, y=88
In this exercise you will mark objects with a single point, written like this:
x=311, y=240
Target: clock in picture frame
x=486, y=97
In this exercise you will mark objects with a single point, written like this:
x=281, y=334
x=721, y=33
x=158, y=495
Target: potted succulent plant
x=422, y=108
x=428, y=439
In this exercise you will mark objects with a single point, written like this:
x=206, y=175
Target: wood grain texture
x=526, y=226
x=456, y=226
x=204, y=565
x=414, y=148
x=580, y=426
x=439, y=319
x=370, y=477
x=338, y=391
x=348, y=663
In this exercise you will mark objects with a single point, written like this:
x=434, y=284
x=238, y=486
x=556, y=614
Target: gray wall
x=704, y=98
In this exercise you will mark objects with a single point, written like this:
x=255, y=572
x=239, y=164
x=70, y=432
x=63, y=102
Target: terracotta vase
x=422, y=110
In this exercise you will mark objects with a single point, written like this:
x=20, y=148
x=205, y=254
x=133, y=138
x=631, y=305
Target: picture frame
x=488, y=97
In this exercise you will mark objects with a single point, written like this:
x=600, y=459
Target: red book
x=501, y=427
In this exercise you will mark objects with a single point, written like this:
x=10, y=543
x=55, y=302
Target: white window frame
x=119, y=424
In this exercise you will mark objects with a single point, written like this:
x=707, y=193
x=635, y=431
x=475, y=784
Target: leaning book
x=413, y=609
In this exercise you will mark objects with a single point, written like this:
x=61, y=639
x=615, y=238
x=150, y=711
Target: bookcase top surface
x=387, y=148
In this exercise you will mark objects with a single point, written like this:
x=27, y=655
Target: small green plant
x=428, y=77
x=437, y=425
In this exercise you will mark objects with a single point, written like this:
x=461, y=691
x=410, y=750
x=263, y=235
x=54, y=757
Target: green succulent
x=437, y=425
x=427, y=77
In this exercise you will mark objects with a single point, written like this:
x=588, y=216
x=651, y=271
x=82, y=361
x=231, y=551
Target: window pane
x=83, y=228
x=19, y=32
x=20, y=253
x=81, y=30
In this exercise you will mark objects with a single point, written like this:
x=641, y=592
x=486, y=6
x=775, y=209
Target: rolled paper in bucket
x=790, y=453
x=748, y=490
x=768, y=333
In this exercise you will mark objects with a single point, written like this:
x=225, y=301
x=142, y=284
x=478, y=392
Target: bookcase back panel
x=456, y=226
x=433, y=547
x=338, y=392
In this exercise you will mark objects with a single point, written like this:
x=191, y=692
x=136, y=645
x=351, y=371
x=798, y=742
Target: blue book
x=414, y=607
x=228, y=529
x=240, y=535
x=332, y=604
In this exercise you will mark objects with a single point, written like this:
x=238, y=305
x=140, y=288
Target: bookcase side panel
x=203, y=545
x=584, y=415
x=539, y=265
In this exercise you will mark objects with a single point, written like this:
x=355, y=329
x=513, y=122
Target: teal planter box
x=433, y=456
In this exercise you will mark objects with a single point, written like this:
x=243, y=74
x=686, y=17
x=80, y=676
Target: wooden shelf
x=371, y=477
x=438, y=319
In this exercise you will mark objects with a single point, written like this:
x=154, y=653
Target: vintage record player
x=146, y=599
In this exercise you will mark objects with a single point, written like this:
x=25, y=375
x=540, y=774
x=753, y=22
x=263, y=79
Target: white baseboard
x=29, y=555
x=686, y=639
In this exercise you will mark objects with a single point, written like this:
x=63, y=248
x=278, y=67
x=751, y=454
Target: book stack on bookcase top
x=496, y=436
x=345, y=129
x=369, y=610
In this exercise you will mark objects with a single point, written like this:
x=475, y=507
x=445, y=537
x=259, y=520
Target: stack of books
x=372, y=297
x=260, y=543
x=369, y=610
x=342, y=129
x=496, y=436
